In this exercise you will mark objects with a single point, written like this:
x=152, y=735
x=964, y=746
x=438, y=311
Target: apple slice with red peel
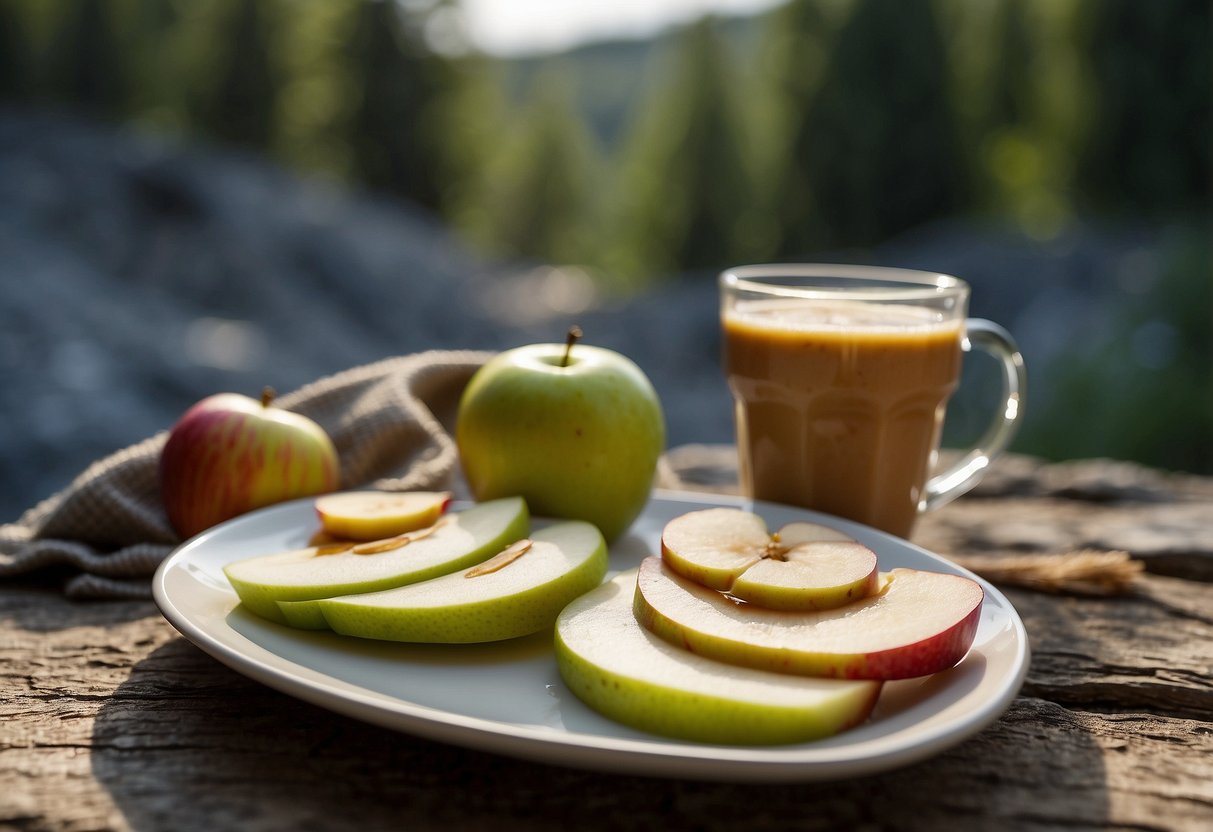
x=374, y=515
x=628, y=674
x=803, y=566
x=919, y=623
x=810, y=576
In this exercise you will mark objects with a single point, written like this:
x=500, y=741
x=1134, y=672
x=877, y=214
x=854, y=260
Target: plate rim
x=656, y=756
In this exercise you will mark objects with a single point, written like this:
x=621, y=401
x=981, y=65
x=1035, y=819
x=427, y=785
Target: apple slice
x=517, y=593
x=811, y=576
x=374, y=515
x=920, y=623
x=630, y=675
x=459, y=540
x=804, y=566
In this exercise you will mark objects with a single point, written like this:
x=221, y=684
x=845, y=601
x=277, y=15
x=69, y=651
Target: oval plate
x=508, y=698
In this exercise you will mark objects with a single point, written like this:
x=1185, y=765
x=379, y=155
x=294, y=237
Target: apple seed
x=502, y=559
x=774, y=551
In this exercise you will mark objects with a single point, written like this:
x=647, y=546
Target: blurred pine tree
x=83, y=68
x=1009, y=101
x=536, y=203
x=15, y=80
x=798, y=40
x=877, y=148
x=396, y=130
x=687, y=187
x=1149, y=148
x=238, y=106
x=150, y=55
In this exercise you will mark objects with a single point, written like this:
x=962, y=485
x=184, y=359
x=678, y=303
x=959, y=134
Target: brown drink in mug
x=840, y=376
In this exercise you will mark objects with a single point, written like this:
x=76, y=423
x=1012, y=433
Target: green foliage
x=319, y=90
x=686, y=182
x=829, y=124
x=393, y=131
x=87, y=75
x=534, y=201
x=876, y=148
x=1140, y=388
x=15, y=70
x=1010, y=101
x=239, y=106
x=1149, y=147
x=149, y=54
x=798, y=40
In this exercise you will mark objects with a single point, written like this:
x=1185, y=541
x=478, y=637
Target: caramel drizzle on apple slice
x=397, y=542
x=333, y=548
x=500, y=560
x=388, y=544
x=385, y=545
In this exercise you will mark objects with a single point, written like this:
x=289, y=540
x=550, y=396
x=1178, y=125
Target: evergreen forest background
x=823, y=128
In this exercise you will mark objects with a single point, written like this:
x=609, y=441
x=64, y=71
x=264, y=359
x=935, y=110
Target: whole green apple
x=576, y=430
x=229, y=454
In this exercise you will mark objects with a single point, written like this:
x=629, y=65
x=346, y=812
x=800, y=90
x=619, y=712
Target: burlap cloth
x=390, y=422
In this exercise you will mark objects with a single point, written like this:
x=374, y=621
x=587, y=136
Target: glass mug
x=840, y=376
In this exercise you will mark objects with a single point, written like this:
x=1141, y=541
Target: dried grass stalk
x=1082, y=572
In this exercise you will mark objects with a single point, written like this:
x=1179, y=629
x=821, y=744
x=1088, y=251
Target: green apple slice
x=803, y=566
x=518, y=593
x=630, y=675
x=459, y=540
x=919, y=623
x=374, y=515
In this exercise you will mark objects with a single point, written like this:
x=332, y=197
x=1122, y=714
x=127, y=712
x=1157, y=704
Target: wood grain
x=110, y=720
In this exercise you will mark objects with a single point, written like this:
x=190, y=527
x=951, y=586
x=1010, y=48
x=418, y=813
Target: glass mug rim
x=834, y=280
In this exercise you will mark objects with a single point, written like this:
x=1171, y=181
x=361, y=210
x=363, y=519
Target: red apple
x=230, y=454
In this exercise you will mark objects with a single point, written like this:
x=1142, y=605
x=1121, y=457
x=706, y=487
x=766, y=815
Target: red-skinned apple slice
x=810, y=576
x=804, y=566
x=374, y=515
x=920, y=623
x=628, y=674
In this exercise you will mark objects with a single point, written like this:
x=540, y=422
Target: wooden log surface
x=110, y=719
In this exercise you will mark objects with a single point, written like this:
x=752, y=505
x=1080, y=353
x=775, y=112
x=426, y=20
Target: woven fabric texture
x=390, y=421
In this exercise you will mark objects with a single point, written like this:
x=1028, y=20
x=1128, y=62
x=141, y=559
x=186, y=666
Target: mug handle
x=990, y=338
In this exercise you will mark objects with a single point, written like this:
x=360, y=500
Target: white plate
x=508, y=697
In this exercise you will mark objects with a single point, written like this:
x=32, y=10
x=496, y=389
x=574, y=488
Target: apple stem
x=569, y=341
x=267, y=396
